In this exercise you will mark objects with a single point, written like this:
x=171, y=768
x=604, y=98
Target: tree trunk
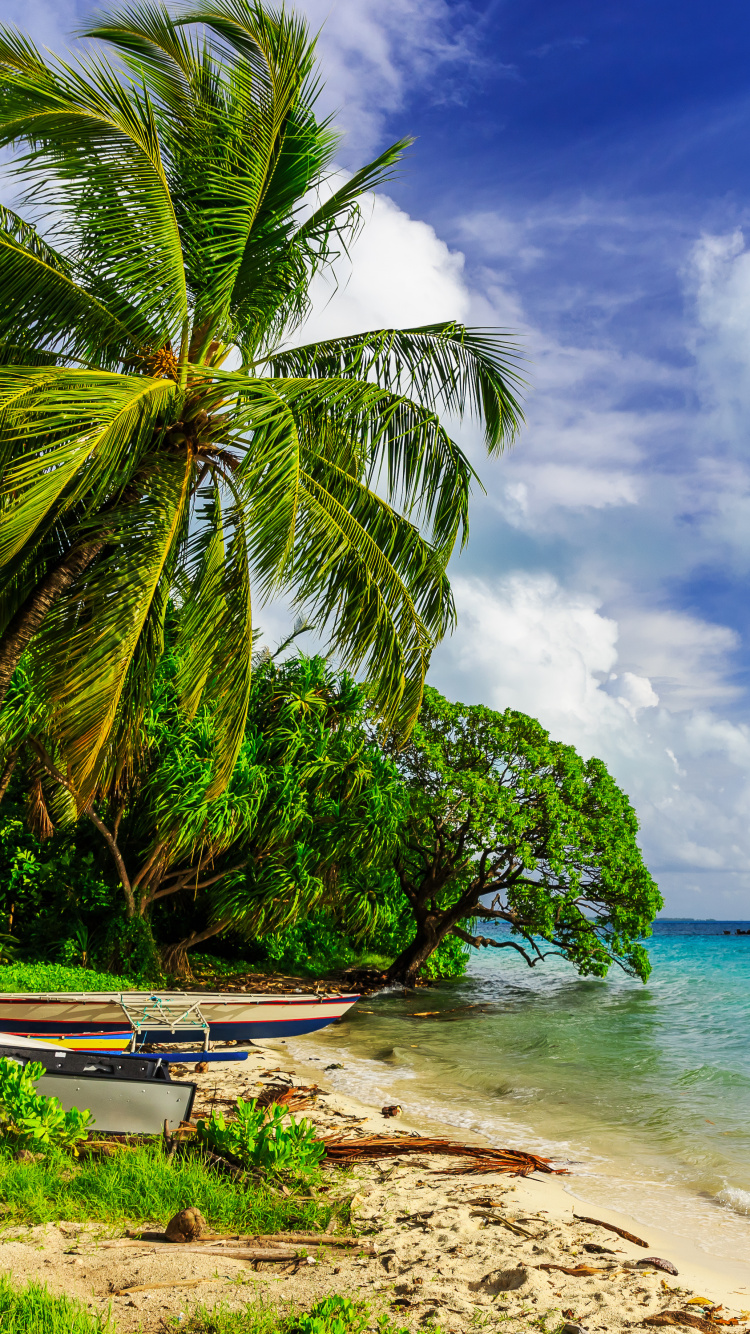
x=174, y=958
x=405, y=968
x=7, y=773
x=30, y=616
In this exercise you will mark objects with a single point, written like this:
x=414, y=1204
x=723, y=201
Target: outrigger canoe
x=115, y=1021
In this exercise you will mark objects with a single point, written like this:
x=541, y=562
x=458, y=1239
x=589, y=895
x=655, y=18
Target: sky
x=580, y=178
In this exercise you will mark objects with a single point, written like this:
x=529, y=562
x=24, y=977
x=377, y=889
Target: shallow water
x=645, y=1088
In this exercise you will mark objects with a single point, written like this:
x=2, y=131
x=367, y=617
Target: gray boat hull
x=122, y=1106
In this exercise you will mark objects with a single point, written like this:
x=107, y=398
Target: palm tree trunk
x=30, y=616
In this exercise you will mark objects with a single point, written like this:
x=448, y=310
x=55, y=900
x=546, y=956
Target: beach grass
x=140, y=1186
x=332, y=1315
x=32, y=1309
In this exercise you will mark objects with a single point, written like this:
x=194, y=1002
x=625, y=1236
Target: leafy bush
x=259, y=1138
x=34, y=1310
x=54, y=977
x=29, y=1118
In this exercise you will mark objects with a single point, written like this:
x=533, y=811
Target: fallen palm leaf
x=295, y=1099
x=579, y=1271
x=687, y=1318
x=598, y=1222
x=512, y=1161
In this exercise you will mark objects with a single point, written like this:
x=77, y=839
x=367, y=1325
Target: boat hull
x=94, y=1021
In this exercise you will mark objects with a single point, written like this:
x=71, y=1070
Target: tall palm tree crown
x=183, y=198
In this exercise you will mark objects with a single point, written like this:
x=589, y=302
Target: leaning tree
x=160, y=434
x=509, y=827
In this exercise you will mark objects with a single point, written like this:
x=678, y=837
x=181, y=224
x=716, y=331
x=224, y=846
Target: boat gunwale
x=198, y=997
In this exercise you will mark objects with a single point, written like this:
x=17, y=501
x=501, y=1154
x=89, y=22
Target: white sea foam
x=734, y=1198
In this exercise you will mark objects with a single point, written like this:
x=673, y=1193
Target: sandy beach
x=454, y=1248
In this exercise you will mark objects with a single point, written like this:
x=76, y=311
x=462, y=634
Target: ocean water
x=644, y=1091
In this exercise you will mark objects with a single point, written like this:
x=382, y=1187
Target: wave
x=735, y=1199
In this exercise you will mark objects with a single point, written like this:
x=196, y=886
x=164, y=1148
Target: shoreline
x=711, y=1276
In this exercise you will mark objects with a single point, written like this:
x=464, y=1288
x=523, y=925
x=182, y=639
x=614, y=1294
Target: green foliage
x=331, y=1315
x=498, y=809
x=55, y=977
x=259, y=1138
x=32, y=1309
x=140, y=1186
x=314, y=945
x=29, y=1119
x=129, y=947
x=176, y=182
x=54, y=888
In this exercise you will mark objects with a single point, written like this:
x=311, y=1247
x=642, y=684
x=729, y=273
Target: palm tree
x=159, y=434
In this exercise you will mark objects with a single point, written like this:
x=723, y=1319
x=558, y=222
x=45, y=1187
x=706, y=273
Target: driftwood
x=511, y=1161
x=269, y=1239
x=175, y=1283
x=581, y=1218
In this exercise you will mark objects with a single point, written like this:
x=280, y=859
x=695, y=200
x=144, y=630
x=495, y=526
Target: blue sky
x=580, y=175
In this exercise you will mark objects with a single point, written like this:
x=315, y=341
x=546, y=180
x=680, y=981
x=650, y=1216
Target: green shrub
x=34, y=1310
x=55, y=977
x=28, y=1118
x=259, y=1138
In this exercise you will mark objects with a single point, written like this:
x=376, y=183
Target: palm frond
x=94, y=155
x=65, y=434
x=81, y=658
x=151, y=43
x=46, y=310
x=216, y=628
x=446, y=366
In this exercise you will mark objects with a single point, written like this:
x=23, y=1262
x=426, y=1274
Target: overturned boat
x=116, y=1021
x=125, y=1094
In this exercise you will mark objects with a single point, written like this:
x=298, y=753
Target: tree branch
x=480, y=941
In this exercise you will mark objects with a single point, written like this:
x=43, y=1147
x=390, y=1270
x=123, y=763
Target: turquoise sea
x=643, y=1090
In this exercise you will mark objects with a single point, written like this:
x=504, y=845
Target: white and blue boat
x=118, y=1021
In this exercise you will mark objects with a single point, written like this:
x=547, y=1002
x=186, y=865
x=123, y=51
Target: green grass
x=140, y=1186
x=59, y=977
x=331, y=1315
x=33, y=1310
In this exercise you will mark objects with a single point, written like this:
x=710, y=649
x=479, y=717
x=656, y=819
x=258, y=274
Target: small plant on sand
x=28, y=1118
x=259, y=1138
x=332, y=1315
x=34, y=1310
